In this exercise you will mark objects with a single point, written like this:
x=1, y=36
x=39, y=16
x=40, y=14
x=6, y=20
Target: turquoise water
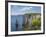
x=17, y=20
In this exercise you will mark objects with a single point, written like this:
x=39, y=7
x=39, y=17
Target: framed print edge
x=6, y=18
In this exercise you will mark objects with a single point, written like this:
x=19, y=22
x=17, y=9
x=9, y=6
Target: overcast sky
x=18, y=9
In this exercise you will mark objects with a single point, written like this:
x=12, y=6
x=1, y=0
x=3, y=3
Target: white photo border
x=23, y=32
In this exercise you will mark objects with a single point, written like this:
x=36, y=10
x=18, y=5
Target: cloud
x=25, y=9
x=21, y=11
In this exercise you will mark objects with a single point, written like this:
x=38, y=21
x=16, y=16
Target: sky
x=19, y=9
